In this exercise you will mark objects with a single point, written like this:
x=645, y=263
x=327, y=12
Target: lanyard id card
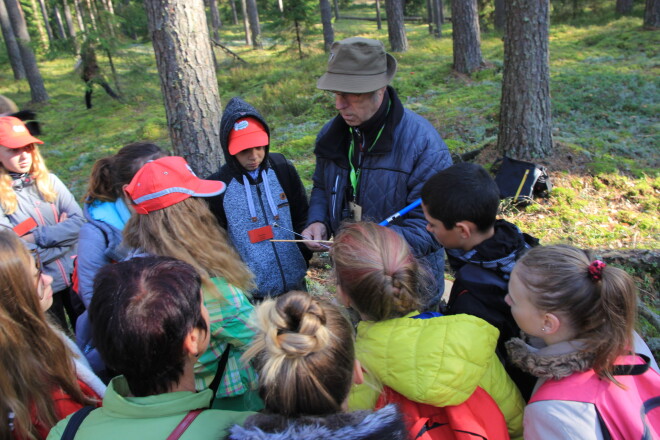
x=356, y=211
x=261, y=234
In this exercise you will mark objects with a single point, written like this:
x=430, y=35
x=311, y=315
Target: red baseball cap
x=14, y=133
x=247, y=133
x=167, y=181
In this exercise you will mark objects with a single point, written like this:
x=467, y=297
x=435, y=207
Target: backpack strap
x=184, y=424
x=222, y=365
x=75, y=421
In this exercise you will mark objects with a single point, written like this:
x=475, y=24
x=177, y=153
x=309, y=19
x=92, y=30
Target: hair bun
x=301, y=325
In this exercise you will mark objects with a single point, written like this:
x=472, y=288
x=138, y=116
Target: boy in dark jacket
x=265, y=199
x=460, y=204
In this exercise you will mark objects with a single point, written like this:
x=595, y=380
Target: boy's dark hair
x=462, y=192
x=141, y=312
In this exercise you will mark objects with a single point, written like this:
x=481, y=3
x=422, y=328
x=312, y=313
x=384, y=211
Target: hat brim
x=209, y=188
x=20, y=142
x=357, y=83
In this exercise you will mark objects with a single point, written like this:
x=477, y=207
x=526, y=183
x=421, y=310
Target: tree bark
x=43, y=36
x=466, y=38
x=234, y=15
x=396, y=31
x=525, y=130
x=437, y=18
x=335, y=4
x=499, y=15
x=79, y=15
x=44, y=13
x=60, y=25
x=246, y=23
x=13, y=51
x=255, y=27
x=652, y=15
x=379, y=20
x=37, y=90
x=624, y=7
x=215, y=18
x=91, y=14
x=69, y=24
x=326, y=20
x=188, y=81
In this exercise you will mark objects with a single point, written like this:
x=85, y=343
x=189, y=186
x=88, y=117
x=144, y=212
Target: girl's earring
x=543, y=329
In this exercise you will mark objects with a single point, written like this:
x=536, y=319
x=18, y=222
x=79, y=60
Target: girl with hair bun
x=425, y=357
x=582, y=313
x=304, y=354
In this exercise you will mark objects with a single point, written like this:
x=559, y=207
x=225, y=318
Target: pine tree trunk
x=246, y=23
x=69, y=24
x=60, y=26
x=395, y=28
x=79, y=15
x=499, y=15
x=525, y=130
x=13, y=51
x=43, y=36
x=234, y=15
x=215, y=18
x=326, y=20
x=624, y=7
x=652, y=15
x=44, y=13
x=255, y=27
x=37, y=90
x=335, y=3
x=91, y=15
x=188, y=81
x=437, y=18
x=466, y=38
x=379, y=20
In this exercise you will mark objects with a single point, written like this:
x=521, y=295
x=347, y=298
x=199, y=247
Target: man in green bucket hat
x=373, y=158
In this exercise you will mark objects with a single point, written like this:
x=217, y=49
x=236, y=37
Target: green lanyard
x=355, y=172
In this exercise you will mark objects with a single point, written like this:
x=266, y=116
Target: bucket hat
x=357, y=65
x=14, y=133
x=167, y=181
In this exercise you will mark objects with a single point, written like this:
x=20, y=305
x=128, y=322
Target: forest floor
x=605, y=168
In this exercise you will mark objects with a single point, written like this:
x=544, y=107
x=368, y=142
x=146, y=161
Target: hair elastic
x=596, y=270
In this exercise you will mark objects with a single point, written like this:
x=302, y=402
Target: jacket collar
x=553, y=361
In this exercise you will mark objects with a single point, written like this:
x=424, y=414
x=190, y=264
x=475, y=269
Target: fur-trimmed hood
x=384, y=424
x=554, y=361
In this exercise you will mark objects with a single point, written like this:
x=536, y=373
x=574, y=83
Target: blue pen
x=404, y=211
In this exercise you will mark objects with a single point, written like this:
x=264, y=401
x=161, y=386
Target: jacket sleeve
x=64, y=234
x=91, y=257
x=297, y=199
x=319, y=199
x=216, y=203
x=299, y=207
x=433, y=157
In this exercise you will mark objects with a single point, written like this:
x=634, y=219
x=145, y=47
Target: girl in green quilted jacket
x=425, y=357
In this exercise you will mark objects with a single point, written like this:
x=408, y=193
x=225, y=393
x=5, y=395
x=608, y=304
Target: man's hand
x=315, y=231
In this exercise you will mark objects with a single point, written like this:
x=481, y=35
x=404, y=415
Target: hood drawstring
x=269, y=197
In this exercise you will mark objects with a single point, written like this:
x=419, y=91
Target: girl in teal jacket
x=428, y=358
